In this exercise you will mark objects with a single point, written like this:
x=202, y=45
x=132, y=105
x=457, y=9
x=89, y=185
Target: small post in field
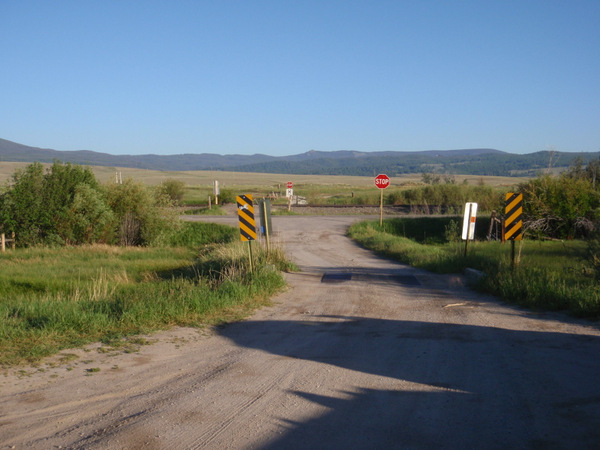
x=250, y=256
x=264, y=206
x=512, y=253
x=216, y=191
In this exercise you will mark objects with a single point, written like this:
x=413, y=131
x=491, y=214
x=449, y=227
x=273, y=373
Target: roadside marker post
x=513, y=221
x=247, y=222
x=382, y=181
x=216, y=191
x=513, y=212
x=468, y=230
x=264, y=207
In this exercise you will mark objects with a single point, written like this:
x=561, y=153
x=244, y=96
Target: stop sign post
x=382, y=181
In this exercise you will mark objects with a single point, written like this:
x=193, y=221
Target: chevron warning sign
x=246, y=217
x=513, y=221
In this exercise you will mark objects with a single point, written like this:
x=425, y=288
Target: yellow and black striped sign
x=246, y=217
x=513, y=222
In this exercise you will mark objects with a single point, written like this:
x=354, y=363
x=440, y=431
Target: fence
x=3, y=241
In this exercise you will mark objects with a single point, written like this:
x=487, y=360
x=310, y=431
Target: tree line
x=485, y=164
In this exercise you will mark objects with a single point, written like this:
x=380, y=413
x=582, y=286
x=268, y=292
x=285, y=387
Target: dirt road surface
x=359, y=352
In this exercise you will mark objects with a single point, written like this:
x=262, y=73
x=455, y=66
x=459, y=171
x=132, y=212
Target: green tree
x=21, y=204
x=48, y=207
x=91, y=219
x=60, y=187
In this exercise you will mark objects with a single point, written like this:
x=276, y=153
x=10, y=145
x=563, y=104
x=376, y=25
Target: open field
x=244, y=179
x=316, y=188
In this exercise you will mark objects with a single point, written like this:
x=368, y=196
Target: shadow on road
x=450, y=386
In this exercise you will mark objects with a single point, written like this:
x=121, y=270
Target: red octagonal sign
x=382, y=181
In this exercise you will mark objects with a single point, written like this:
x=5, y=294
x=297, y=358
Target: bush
x=560, y=207
x=594, y=256
x=226, y=196
x=143, y=217
x=92, y=220
x=449, y=197
x=173, y=189
x=63, y=205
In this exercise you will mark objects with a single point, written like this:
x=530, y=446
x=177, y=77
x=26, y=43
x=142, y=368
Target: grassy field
x=318, y=189
x=57, y=298
x=549, y=275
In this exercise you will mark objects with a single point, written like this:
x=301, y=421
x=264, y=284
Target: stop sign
x=382, y=181
x=290, y=184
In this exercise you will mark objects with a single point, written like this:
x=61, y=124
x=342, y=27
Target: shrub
x=92, y=221
x=173, y=189
x=452, y=231
x=560, y=207
x=593, y=254
x=226, y=196
x=21, y=205
x=41, y=207
x=449, y=197
x=143, y=216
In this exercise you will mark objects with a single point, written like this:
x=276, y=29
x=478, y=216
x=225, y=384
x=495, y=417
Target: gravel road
x=359, y=352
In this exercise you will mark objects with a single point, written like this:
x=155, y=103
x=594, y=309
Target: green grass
x=548, y=276
x=53, y=299
x=215, y=210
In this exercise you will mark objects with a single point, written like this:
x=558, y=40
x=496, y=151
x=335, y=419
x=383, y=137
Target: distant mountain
x=11, y=151
x=344, y=162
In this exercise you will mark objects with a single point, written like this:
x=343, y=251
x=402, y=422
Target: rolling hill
x=343, y=162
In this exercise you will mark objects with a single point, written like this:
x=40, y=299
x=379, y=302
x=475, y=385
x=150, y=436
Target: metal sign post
x=382, y=181
x=264, y=207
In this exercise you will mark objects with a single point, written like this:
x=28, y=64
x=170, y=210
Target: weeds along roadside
x=558, y=276
x=57, y=298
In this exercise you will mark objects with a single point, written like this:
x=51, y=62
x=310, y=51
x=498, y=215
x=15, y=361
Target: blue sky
x=283, y=77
